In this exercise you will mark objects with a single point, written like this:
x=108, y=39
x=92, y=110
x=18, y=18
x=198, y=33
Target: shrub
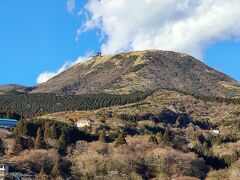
x=2, y=150
x=62, y=143
x=120, y=140
x=38, y=141
x=153, y=139
x=102, y=137
x=56, y=170
x=42, y=173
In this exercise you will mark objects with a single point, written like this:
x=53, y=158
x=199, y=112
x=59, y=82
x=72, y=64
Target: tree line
x=208, y=98
x=31, y=105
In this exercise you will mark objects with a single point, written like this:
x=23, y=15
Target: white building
x=84, y=123
x=215, y=131
x=4, y=170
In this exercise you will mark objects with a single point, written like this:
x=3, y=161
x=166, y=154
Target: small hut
x=4, y=170
x=84, y=123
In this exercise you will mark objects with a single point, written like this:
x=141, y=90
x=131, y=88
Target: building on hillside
x=4, y=170
x=215, y=131
x=84, y=123
x=98, y=54
x=8, y=124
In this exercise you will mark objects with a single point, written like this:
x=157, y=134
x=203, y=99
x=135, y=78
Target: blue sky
x=40, y=36
x=36, y=36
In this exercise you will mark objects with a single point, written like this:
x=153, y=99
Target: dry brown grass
x=142, y=124
x=35, y=159
x=97, y=159
x=226, y=148
x=233, y=173
x=183, y=178
x=36, y=155
x=4, y=133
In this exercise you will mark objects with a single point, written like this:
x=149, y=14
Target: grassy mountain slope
x=142, y=71
x=13, y=89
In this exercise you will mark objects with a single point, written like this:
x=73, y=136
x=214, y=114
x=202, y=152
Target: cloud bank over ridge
x=188, y=26
x=45, y=76
x=179, y=25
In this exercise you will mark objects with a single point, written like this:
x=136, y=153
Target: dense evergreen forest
x=31, y=105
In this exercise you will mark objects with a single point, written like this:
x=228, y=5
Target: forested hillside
x=32, y=105
x=168, y=134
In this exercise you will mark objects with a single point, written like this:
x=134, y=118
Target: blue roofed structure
x=8, y=124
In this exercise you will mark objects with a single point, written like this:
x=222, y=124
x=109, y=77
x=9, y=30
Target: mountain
x=185, y=124
x=13, y=88
x=141, y=71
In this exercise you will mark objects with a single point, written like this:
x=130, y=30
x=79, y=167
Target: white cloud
x=70, y=5
x=188, y=26
x=45, y=76
x=180, y=25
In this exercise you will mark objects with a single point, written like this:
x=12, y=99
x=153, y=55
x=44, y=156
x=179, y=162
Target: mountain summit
x=141, y=71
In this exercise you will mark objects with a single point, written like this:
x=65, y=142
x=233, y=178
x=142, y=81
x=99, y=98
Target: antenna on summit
x=97, y=54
